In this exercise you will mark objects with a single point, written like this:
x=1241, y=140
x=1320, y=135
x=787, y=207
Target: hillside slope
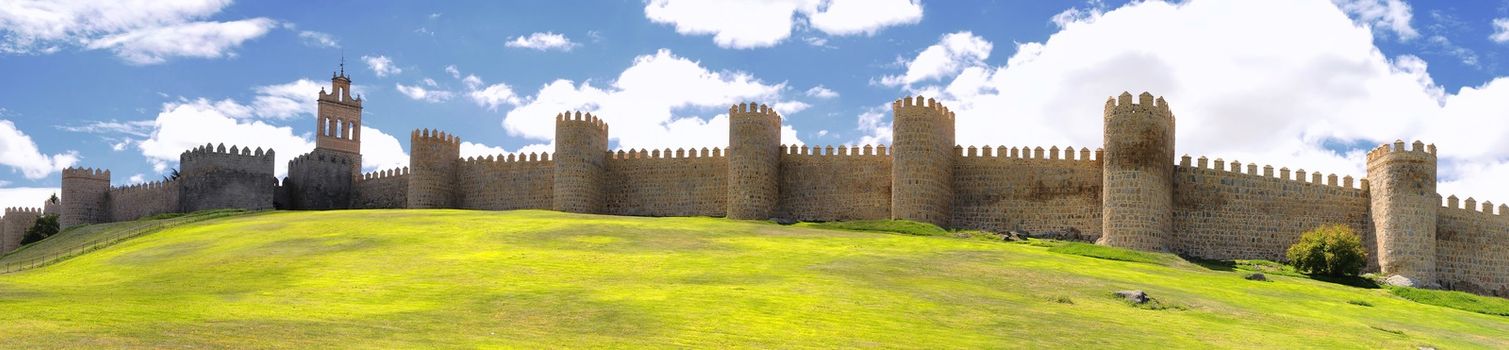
x=536, y=279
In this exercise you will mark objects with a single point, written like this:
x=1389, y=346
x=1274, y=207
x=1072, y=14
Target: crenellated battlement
x=1300, y=176
x=568, y=119
x=320, y=157
x=434, y=136
x=145, y=186
x=920, y=103
x=1472, y=205
x=1418, y=151
x=1034, y=153
x=666, y=154
x=1145, y=102
x=210, y=150
x=212, y=158
x=830, y=151
x=87, y=174
x=23, y=211
x=537, y=157
x=386, y=174
x=753, y=110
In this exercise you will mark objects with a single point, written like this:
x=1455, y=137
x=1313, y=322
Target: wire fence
x=109, y=239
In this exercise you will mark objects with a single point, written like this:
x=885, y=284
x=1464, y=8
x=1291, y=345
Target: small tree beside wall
x=1331, y=250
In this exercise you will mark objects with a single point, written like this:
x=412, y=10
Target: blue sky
x=1299, y=84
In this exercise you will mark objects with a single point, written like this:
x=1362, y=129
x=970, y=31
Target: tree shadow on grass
x=1214, y=265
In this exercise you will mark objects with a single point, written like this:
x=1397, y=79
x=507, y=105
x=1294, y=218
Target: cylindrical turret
x=85, y=197
x=14, y=225
x=1138, y=177
x=1402, y=189
x=581, y=147
x=922, y=170
x=754, y=161
x=432, y=163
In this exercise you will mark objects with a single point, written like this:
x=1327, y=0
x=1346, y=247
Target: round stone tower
x=581, y=147
x=1402, y=189
x=922, y=170
x=1138, y=179
x=432, y=163
x=85, y=197
x=754, y=161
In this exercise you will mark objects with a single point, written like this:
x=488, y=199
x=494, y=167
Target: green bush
x=1332, y=250
x=44, y=227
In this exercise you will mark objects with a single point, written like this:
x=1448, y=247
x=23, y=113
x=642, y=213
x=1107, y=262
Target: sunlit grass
x=537, y=279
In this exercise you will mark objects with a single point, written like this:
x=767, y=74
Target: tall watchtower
x=922, y=172
x=85, y=197
x=754, y=161
x=1402, y=189
x=432, y=162
x=1138, y=179
x=338, y=120
x=581, y=148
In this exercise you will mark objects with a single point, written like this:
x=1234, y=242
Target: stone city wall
x=1471, y=250
x=1026, y=189
x=505, y=183
x=142, y=200
x=1234, y=212
x=218, y=178
x=666, y=183
x=383, y=189
x=13, y=226
x=829, y=184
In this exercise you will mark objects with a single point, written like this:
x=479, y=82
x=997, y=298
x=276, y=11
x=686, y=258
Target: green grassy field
x=537, y=279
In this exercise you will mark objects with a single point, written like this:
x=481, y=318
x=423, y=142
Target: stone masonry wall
x=86, y=197
x=829, y=184
x=321, y=180
x=1471, y=253
x=219, y=178
x=666, y=183
x=1233, y=212
x=13, y=227
x=1026, y=189
x=1402, y=186
x=506, y=183
x=383, y=189
x=143, y=200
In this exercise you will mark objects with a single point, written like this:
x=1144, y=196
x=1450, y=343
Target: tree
x=1331, y=250
x=46, y=226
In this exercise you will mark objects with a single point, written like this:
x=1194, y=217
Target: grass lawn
x=538, y=279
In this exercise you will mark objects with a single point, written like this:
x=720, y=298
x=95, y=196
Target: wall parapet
x=87, y=173
x=841, y=150
x=668, y=153
x=386, y=174
x=22, y=211
x=1038, y=153
x=145, y=186
x=1220, y=166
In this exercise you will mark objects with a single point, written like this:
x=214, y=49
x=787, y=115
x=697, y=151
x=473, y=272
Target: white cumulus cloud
x=26, y=197
x=542, y=42
x=753, y=24
x=1392, y=16
x=381, y=151
x=821, y=92
x=381, y=65
x=420, y=93
x=319, y=39
x=951, y=54
x=182, y=125
x=20, y=153
x=662, y=100
x=1500, y=30
x=138, y=31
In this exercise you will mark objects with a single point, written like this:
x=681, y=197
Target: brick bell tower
x=338, y=120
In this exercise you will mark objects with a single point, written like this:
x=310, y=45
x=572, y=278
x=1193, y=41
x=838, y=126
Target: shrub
x=1332, y=250
x=44, y=227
